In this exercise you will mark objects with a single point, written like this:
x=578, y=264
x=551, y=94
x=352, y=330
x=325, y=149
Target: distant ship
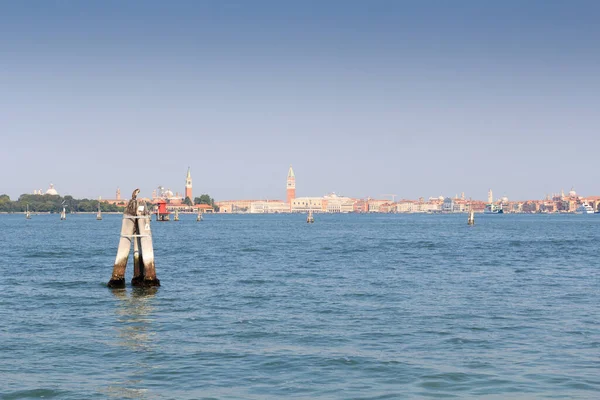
x=493, y=209
x=584, y=209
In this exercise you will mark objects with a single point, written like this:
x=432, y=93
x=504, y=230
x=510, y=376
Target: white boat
x=584, y=209
x=493, y=209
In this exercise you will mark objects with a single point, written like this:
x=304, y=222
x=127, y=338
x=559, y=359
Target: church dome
x=573, y=193
x=52, y=191
x=505, y=199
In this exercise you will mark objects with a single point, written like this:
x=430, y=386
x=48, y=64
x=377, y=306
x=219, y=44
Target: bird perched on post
x=132, y=205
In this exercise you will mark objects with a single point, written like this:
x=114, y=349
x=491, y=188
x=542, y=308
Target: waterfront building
x=337, y=204
x=361, y=206
x=304, y=204
x=448, y=205
x=269, y=207
x=460, y=206
x=407, y=206
x=374, y=204
x=235, y=206
x=387, y=208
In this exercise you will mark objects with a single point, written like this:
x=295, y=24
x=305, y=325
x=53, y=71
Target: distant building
x=448, y=205
x=117, y=200
x=303, y=204
x=291, y=186
x=374, y=204
x=188, y=185
x=52, y=191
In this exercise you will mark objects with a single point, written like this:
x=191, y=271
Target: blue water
x=269, y=307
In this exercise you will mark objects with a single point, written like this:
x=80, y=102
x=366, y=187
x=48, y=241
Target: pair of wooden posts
x=135, y=228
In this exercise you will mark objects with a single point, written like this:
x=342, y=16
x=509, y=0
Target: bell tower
x=291, y=186
x=188, y=185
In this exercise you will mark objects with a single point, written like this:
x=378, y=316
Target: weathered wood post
x=135, y=227
x=138, y=264
x=471, y=220
x=147, y=250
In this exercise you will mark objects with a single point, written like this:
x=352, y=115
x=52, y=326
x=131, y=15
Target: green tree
x=187, y=201
x=206, y=199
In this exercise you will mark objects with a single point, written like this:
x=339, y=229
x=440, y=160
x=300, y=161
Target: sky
x=363, y=98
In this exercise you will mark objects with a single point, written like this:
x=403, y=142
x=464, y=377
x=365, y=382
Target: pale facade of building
x=337, y=204
x=374, y=205
x=304, y=204
x=269, y=207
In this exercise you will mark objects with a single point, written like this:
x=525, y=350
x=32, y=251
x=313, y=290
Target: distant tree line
x=53, y=203
x=205, y=199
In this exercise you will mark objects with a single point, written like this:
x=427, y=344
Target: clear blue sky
x=422, y=98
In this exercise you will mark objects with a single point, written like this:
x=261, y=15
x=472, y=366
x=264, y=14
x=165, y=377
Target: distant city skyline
x=185, y=190
x=416, y=99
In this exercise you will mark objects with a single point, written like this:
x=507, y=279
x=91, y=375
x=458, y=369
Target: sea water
x=270, y=307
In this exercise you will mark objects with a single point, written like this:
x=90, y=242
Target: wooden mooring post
x=471, y=220
x=135, y=228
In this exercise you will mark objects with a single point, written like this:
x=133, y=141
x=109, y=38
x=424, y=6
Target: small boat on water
x=27, y=213
x=584, y=209
x=310, y=219
x=99, y=215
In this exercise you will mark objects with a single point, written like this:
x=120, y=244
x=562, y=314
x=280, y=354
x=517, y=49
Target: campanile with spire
x=188, y=185
x=291, y=186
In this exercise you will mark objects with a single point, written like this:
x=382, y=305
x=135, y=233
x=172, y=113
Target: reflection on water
x=134, y=312
x=135, y=318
